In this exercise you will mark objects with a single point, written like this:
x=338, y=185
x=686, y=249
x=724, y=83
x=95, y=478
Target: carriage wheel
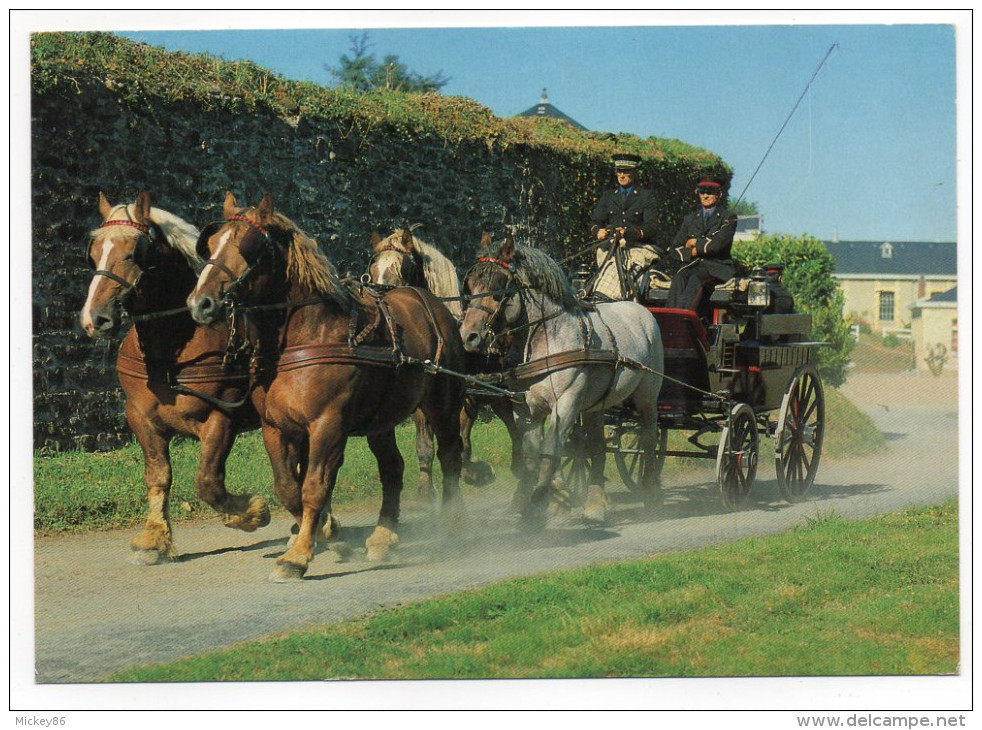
x=623, y=441
x=800, y=429
x=736, y=456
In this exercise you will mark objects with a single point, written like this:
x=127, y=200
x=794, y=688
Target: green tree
x=808, y=277
x=743, y=207
x=362, y=72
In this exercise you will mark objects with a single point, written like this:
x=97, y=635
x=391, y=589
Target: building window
x=886, y=250
x=886, y=306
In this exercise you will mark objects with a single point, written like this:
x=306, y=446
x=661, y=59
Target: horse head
x=396, y=260
x=127, y=244
x=491, y=290
x=237, y=252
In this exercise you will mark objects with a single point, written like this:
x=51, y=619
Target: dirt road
x=95, y=613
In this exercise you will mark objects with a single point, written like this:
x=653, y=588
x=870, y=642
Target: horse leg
x=245, y=512
x=648, y=443
x=528, y=434
x=289, y=465
x=477, y=473
x=154, y=543
x=390, y=469
x=424, y=454
x=504, y=410
x=554, y=438
x=446, y=424
x=595, y=509
x=325, y=456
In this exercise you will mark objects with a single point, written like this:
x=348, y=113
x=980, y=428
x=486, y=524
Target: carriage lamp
x=758, y=291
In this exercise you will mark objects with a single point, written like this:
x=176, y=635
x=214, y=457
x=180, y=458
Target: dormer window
x=886, y=250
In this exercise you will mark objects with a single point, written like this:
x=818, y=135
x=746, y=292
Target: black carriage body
x=746, y=362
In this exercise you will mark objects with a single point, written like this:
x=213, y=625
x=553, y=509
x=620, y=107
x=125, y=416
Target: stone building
x=882, y=280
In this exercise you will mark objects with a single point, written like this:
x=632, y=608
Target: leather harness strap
x=560, y=361
x=335, y=353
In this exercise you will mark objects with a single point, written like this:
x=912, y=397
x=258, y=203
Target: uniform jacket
x=714, y=237
x=635, y=211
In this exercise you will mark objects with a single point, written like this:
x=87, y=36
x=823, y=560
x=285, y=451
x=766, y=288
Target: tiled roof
x=907, y=258
x=949, y=296
x=545, y=109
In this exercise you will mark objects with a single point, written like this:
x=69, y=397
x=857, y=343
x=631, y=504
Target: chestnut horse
x=178, y=378
x=351, y=362
x=403, y=259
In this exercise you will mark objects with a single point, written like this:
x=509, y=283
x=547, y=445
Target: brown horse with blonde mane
x=178, y=378
x=404, y=259
x=350, y=362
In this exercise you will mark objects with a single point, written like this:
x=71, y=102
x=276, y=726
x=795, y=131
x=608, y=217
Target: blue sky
x=869, y=154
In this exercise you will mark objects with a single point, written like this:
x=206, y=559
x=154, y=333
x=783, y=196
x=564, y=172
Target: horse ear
x=485, y=241
x=407, y=238
x=230, y=207
x=265, y=210
x=375, y=240
x=105, y=207
x=142, y=207
x=508, y=248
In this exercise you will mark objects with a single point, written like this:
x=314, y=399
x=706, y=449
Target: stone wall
x=337, y=186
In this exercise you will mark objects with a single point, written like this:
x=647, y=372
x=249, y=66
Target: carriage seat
x=725, y=292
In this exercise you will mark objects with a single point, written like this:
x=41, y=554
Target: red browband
x=131, y=224
x=489, y=259
x=243, y=219
x=708, y=183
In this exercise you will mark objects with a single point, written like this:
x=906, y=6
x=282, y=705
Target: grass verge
x=832, y=597
x=76, y=491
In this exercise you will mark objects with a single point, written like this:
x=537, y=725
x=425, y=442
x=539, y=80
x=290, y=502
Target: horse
x=403, y=259
x=578, y=360
x=177, y=378
x=350, y=362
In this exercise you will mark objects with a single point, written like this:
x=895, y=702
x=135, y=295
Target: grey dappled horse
x=578, y=360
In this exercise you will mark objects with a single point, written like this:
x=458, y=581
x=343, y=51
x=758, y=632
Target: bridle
x=410, y=270
x=140, y=256
x=253, y=261
x=502, y=296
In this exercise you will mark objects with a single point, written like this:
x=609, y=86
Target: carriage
x=740, y=369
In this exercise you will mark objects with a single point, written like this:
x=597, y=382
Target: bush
x=808, y=276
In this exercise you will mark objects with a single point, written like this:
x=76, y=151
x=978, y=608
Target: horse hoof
x=250, y=519
x=478, y=474
x=595, y=509
x=286, y=573
x=149, y=557
x=339, y=552
x=378, y=544
x=329, y=530
x=534, y=518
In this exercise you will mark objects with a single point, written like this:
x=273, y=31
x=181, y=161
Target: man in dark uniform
x=701, y=248
x=624, y=219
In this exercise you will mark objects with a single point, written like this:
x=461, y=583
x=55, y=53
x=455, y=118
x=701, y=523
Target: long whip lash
x=793, y=110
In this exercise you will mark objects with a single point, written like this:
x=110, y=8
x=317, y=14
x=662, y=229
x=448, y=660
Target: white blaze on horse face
x=86, y=316
x=208, y=271
x=388, y=268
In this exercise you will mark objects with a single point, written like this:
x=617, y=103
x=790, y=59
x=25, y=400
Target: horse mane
x=181, y=235
x=178, y=233
x=438, y=270
x=537, y=270
x=310, y=268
